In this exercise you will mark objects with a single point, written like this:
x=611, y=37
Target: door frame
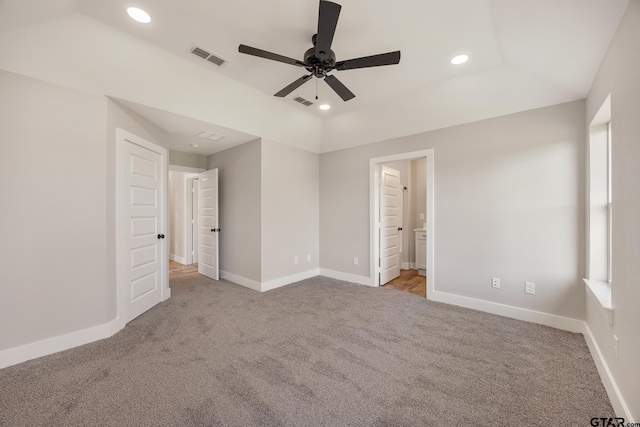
x=374, y=213
x=122, y=138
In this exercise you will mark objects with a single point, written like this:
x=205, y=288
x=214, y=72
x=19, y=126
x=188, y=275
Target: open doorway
x=402, y=222
x=183, y=223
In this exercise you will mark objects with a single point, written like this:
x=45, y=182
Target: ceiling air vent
x=303, y=101
x=207, y=56
x=210, y=135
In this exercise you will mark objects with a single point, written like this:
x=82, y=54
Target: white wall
x=509, y=203
x=618, y=76
x=53, y=210
x=290, y=210
x=239, y=180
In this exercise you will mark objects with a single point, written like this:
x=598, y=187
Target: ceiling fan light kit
x=320, y=60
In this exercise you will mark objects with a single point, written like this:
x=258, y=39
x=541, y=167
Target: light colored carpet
x=318, y=352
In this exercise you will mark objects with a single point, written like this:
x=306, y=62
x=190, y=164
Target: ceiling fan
x=320, y=60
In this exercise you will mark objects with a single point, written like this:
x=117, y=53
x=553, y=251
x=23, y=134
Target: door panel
x=390, y=221
x=195, y=190
x=208, y=218
x=143, y=212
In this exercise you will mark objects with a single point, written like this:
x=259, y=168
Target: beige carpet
x=318, y=352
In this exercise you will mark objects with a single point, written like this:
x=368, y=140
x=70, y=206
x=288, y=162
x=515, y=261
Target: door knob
x=399, y=228
x=160, y=236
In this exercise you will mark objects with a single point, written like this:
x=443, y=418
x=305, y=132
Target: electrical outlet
x=421, y=216
x=295, y=260
x=529, y=288
x=495, y=282
x=616, y=346
x=308, y=257
x=355, y=260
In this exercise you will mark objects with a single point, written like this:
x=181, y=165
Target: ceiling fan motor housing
x=319, y=67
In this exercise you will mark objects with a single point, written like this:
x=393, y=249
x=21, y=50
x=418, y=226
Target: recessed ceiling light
x=460, y=59
x=325, y=106
x=195, y=145
x=139, y=15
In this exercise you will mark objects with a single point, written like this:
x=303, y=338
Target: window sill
x=600, y=292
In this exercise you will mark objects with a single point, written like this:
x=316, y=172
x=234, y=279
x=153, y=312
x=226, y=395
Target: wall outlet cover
x=529, y=288
x=495, y=282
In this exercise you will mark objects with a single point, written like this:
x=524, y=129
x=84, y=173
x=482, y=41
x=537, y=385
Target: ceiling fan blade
x=293, y=86
x=268, y=55
x=339, y=88
x=327, y=22
x=390, y=58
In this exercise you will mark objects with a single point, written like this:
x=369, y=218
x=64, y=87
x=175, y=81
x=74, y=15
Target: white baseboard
x=406, y=266
x=617, y=401
x=242, y=281
x=559, y=322
x=270, y=284
x=282, y=281
x=178, y=259
x=347, y=277
x=48, y=346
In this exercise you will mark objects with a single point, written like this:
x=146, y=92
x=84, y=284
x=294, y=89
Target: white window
x=599, y=274
x=600, y=196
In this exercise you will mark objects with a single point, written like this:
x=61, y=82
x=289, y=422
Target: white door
x=195, y=190
x=143, y=201
x=390, y=212
x=208, y=225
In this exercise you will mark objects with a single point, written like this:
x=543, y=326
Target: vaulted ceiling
x=523, y=55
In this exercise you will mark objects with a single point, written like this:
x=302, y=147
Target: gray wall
x=509, y=203
x=290, y=210
x=239, y=174
x=53, y=274
x=618, y=76
x=190, y=160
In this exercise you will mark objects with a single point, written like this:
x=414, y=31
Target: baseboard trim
x=242, y=281
x=406, y=266
x=178, y=259
x=48, y=346
x=559, y=322
x=347, y=277
x=283, y=281
x=617, y=401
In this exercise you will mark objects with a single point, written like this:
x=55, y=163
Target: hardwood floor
x=409, y=281
x=177, y=270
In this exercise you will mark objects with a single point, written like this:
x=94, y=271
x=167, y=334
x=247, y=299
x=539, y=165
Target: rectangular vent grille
x=303, y=101
x=207, y=56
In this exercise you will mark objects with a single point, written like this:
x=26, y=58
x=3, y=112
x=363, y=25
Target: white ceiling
x=184, y=131
x=524, y=54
